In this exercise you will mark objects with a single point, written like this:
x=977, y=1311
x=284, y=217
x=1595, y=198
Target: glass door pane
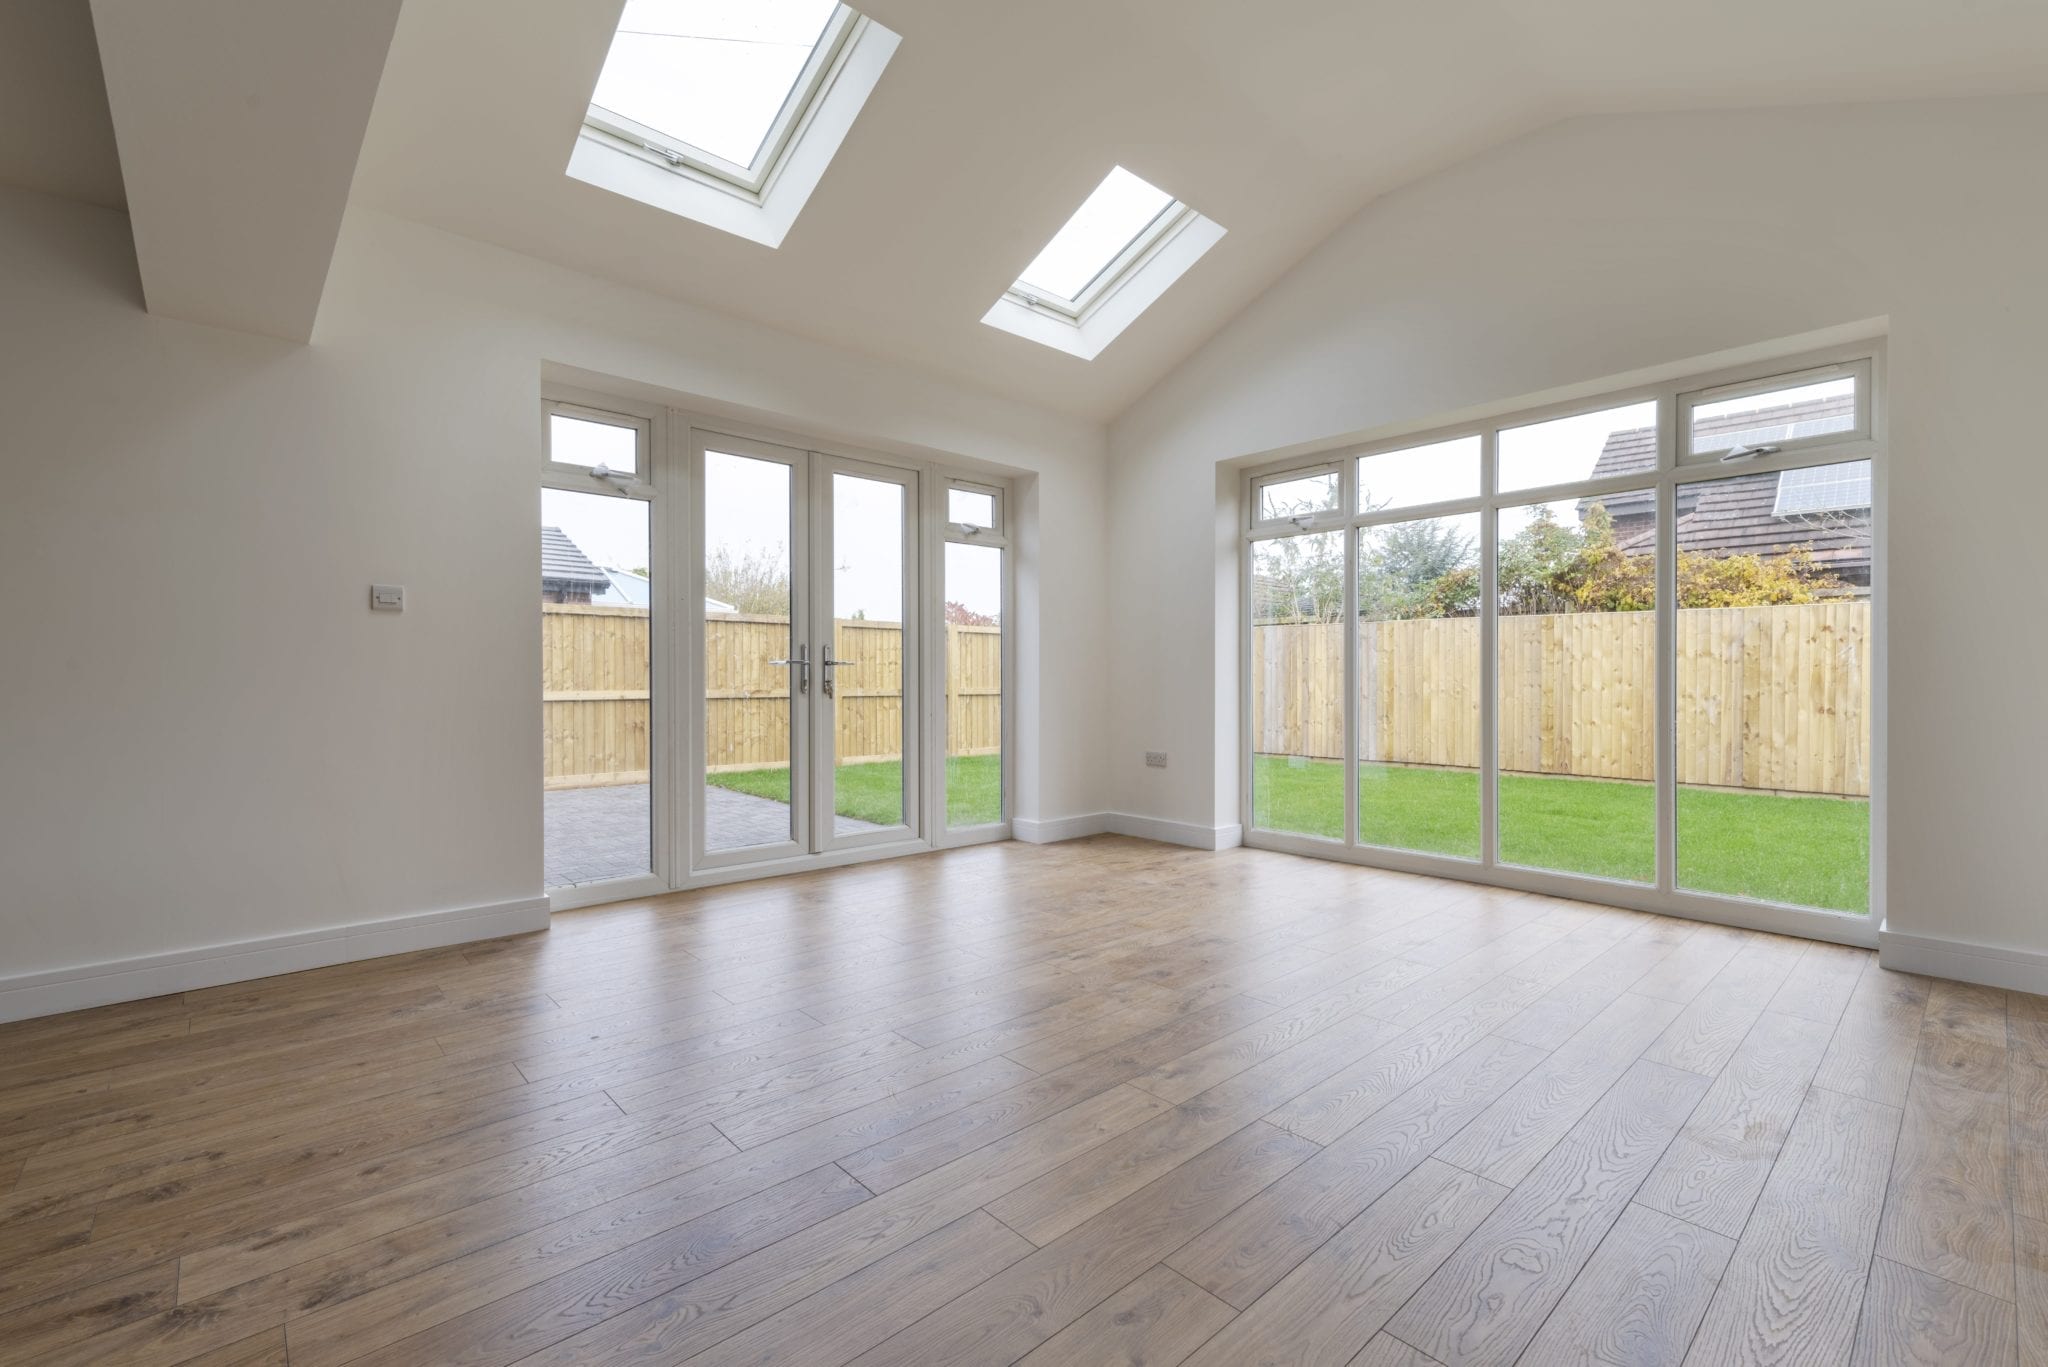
x=1577, y=685
x=1773, y=686
x=752, y=658
x=974, y=684
x=1418, y=685
x=596, y=688
x=863, y=680
x=1297, y=692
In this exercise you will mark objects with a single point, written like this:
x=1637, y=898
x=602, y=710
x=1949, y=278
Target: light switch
x=387, y=598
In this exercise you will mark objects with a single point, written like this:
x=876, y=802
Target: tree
x=1399, y=566
x=960, y=615
x=755, y=582
x=1298, y=579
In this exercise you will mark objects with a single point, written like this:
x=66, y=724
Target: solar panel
x=1823, y=489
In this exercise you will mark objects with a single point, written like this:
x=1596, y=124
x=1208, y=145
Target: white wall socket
x=387, y=598
x=1155, y=759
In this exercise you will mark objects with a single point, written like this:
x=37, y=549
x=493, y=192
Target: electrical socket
x=1155, y=759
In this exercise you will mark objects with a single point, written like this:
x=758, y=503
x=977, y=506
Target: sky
x=747, y=511
x=710, y=73
x=1114, y=213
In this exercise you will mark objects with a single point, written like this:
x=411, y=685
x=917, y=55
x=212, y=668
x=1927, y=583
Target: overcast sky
x=747, y=509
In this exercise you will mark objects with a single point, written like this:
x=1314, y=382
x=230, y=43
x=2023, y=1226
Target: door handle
x=830, y=664
x=803, y=666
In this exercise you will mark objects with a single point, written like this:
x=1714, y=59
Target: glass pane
x=1297, y=720
x=1776, y=417
x=1577, y=686
x=1774, y=692
x=1436, y=473
x=974, y=685
x=970, y=508
x=746, y=630
x=1418, y=685
x=1109, y=220
x=1284, y=498
x=579, y=441
x=868, y=593
x=595, y=688
x=712, y=74
x=1614, y=441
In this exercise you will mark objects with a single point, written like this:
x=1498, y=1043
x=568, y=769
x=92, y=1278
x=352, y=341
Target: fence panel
x=595, y=700
x=1769, y=698
x=594, y=696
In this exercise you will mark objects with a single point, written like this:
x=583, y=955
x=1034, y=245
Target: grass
x=874, y=792
x=1806, y=851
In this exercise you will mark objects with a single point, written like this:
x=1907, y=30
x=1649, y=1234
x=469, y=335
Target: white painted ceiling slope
x=1278, y=118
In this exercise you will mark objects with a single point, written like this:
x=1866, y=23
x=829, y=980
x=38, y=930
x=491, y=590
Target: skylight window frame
x=1148, y=242
x=753, y=181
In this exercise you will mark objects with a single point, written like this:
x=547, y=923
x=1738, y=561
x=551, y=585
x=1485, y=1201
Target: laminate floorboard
x=1104, y=1102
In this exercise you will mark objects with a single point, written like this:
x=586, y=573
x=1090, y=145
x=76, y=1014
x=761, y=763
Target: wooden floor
x=1101, y=1102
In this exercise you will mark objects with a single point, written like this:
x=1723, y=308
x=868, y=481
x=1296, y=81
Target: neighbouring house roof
x=1736, y=516
x=564, y=565
x=625, y=590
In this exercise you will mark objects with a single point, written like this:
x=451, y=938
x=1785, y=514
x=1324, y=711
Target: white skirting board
x=1124, y=823
x=154, y=975
x=2017, y=970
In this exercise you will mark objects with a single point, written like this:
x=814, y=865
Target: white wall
x=206, y=737
x=1611, y=245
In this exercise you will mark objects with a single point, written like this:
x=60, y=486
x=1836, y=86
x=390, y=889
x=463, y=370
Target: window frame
x=944, y=834
x=1321, y=519
x=646, y=486
x=1150, y=240
x=991, y=535
x=1859, y=370
x=1666, y=477
x=753, y=180
x=637, y=483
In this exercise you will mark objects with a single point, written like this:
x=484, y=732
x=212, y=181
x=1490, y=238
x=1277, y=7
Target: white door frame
x=821, y=616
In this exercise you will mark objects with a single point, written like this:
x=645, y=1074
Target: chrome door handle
x=831, y=664
x=803, y=665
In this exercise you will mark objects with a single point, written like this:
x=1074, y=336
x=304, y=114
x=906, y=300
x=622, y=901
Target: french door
x=806, y=596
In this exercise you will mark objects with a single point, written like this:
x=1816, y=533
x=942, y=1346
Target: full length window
x=1622, y=648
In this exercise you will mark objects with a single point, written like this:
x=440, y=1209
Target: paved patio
x=598, y=833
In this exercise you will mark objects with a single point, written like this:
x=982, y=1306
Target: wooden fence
x=1772, y=698
x=594, y=692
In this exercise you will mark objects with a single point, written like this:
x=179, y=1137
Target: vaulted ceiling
x=1277, y=118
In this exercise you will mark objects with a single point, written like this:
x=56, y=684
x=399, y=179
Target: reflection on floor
x=1095, y=1102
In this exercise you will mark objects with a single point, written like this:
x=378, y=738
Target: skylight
x=728, y=111
x=1109, y=222
x=1122, y=249
x=718, y=83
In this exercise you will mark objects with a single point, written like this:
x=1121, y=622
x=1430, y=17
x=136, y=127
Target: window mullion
x=1664, y=747
x=1489, y=656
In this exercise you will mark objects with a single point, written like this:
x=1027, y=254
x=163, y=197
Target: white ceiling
x=1277, y=118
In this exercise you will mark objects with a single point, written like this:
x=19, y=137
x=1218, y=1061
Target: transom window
x=717, y=85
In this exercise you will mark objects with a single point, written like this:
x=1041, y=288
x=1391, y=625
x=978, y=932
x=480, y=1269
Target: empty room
x=1103, y=683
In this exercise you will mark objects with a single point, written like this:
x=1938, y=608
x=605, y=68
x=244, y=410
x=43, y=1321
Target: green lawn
x=874, y=792
x=1807, y=851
